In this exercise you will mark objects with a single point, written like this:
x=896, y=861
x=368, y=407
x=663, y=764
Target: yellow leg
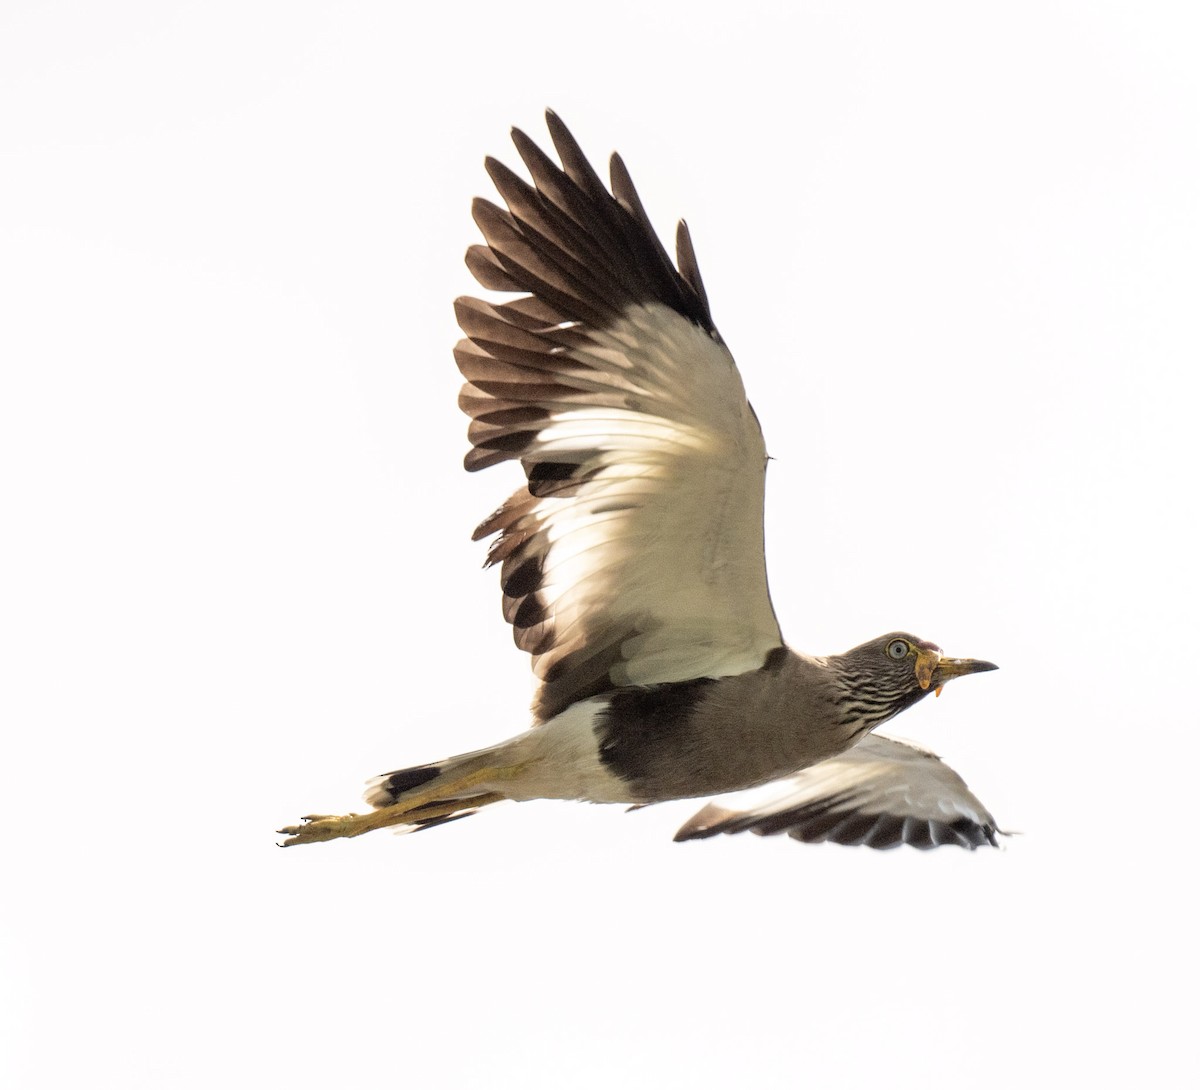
x=430, y=802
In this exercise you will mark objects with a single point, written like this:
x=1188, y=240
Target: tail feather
x=387, y=789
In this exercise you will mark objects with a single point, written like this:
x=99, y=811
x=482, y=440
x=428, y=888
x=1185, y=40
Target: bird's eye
x=897, y=649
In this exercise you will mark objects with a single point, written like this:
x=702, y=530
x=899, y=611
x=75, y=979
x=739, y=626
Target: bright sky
x=953, y=247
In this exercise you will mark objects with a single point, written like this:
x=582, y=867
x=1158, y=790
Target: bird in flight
x=631, y=560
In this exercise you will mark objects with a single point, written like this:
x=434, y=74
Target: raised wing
x=634, y=554
x=881, y=793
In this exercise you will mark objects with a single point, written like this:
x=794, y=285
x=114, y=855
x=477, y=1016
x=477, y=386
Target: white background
x=954, y=249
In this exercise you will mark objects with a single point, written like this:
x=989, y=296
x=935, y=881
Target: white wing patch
x=665, y=537
x=655, y=557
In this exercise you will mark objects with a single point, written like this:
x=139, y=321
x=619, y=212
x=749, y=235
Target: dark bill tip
x=952, y=668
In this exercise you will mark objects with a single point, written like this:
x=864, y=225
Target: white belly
x=561, y=760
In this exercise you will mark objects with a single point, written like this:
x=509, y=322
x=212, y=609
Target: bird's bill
x=933, y=669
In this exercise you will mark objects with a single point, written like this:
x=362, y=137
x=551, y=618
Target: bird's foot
x=314, y=828
x=441, y=798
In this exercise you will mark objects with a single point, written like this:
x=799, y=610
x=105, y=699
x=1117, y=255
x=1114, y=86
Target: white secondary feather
x=664, y=539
